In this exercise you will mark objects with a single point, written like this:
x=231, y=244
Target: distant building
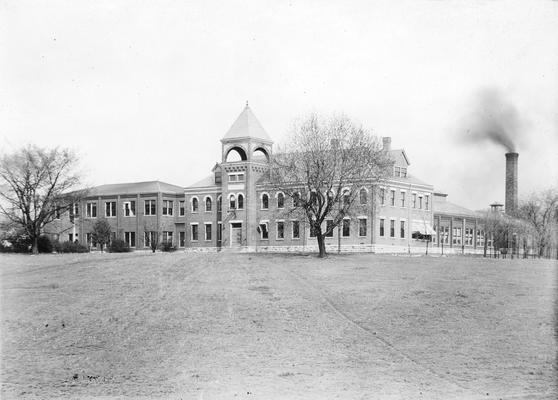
x=233, y=208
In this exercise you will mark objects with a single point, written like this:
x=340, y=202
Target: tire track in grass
x=371, y=333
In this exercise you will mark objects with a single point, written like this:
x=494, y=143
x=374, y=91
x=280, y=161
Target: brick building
x=234, y=208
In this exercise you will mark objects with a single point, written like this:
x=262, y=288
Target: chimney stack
x=387, y=143
x=511, y=183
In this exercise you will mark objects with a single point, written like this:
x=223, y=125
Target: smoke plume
x=493, y=118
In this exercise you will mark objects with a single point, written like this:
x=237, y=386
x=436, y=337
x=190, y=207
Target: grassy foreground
x=223, y=326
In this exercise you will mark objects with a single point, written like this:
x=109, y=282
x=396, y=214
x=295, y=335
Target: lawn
x=262, y=326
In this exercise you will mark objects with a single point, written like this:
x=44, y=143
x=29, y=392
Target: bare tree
x=41, y=186
x=323, y=167
x=540, y=211
x=101, y=232
x=152, y=235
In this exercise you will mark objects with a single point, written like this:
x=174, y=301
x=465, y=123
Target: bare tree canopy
x=324, y=166
x=41, y=185
x=540, y=211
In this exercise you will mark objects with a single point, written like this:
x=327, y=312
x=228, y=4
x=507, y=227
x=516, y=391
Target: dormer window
x=400, y=172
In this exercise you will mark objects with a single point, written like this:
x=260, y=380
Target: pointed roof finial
x=246, y=103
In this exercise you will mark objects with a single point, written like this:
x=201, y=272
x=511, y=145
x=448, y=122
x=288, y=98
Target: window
x=382, y=227
x=382, y=196
x=456, y=235
x=236, y=178
x=346, y=227
x=296, y=230
x=150, y=238
x=110, y=209
x=195, y=204
x=232, y=202
x=403, y=172
x=426, y=201
x=420, y=202
x=130, y=209
x=181, y=239
x=414, y=200
x=402, y=229
x=89, y=239
x=208, y=204
x=150, y=208
x=240, y=201
x=219, y=231
x=402, y=199
x=346, y=197
x=397, y=172
x=207, y=231
x=91, y=210
x=435, y=228
x=130, y=238
x=296, y=199
x=264, y=234
x=219, y=204
x=194, y=232
x=329, y=228
x=363, y=196
x=391, y=228
x=265, y=201
x=392, y=198
x=444, y=234
x=362, y=227
x=480, y=237
x=167, y=237
x=468, y=236
x=181, y=208
x=168, y=207
x=280, y=230
x=280, y=200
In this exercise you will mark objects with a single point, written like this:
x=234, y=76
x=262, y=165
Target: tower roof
x=247, y=126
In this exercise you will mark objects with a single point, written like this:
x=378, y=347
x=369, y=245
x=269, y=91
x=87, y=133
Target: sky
x=146, y=90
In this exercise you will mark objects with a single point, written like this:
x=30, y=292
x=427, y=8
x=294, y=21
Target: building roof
x=205, y=182
x=247, y=126
x=400, y=157
x=442, y=206
x=135, y=188
x=408, y=179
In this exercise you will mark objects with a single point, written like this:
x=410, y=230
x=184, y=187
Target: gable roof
x=135, y=188
x=247, y=126
x=400, y=157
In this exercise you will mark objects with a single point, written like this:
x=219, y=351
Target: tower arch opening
x=235, y=153
x=260, y=154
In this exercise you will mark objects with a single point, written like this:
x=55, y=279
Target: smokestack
x=511, y=183
x=387, y=143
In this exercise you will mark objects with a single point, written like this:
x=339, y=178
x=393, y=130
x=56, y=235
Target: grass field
x=231, y=326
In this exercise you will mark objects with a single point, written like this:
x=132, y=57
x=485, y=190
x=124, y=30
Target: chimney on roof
x=386, y=140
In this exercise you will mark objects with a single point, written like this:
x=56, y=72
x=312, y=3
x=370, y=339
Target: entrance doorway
x=236, y=234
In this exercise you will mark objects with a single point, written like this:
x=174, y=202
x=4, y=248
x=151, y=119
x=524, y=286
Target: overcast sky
x=145, y=90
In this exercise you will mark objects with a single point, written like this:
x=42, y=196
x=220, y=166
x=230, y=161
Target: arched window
x=240, y=201
x=195, y=204
x=363, y=196
x=232, y=202
x=236, y=154
x=346, y=197
x=280, y=200
x=208, y=204
x=265, y=201
x=219, y=204
x=296, y=199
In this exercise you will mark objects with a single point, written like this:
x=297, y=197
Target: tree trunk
x=35, y=247
x=321, y=245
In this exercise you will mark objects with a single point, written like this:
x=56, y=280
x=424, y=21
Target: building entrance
x=236, y=234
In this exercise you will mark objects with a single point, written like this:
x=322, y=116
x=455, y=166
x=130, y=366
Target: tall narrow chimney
x=511, y=183
x=386, y=141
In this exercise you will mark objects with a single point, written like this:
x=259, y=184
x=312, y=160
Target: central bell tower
x=246, y=152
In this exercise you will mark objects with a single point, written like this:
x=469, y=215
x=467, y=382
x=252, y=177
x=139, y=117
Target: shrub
x=119, y=246
x=167, y=246
x=70, y=247
x=17, y=243
x=44, y=244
